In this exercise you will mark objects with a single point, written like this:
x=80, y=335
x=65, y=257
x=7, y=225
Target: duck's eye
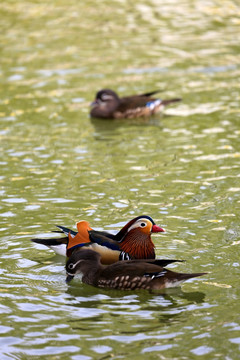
x=71, y=266
x=143, y=224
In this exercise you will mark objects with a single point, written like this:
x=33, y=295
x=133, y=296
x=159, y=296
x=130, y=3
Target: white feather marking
x=152, y=104
x=170, y=284
x=106, y=97
x=59, y=249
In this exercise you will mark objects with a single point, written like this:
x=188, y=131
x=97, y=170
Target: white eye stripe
x=105, y=97
x=139, y=223
x=72, y=266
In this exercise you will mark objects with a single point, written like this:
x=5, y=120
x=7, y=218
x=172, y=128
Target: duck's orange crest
x=81, y=237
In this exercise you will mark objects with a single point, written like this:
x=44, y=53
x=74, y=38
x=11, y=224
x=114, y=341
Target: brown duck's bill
x=69, y=278
x=156, y=229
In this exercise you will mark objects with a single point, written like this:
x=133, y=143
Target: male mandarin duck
x=133, y=241
x=124, y=275
x=108, y=105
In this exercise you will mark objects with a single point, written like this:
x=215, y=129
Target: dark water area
x=58, y=166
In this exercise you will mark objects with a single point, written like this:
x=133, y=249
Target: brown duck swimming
x=124, y=275
x=108, y=105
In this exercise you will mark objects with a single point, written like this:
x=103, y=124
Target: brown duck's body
x=108, y=105
x=124, y=275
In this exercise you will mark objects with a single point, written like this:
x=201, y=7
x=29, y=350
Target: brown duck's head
x=136, y=237
x=81, y=262
x=105, y=104
x=105, y=97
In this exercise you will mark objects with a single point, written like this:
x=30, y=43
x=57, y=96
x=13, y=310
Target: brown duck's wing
x=129, y=268
x=133, y=102
x=125, y=275
x=158, y=262
x=142, y=102
x=151, y=93
x=129, y=275
x=146, y=276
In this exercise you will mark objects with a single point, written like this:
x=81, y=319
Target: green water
x=58, y=166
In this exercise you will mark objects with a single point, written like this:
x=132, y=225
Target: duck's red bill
x=156, y=229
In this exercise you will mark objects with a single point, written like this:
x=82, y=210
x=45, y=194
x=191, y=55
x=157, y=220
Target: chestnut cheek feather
x=156, y=229
x=138, y=245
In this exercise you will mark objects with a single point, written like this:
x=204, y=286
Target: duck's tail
x=166, y=102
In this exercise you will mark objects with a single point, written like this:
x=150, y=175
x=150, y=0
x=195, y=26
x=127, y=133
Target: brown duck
x=108, y=105
x=124, y=275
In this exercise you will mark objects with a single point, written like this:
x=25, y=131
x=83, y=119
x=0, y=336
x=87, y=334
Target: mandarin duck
x=108, y=105
x=124, y=275
x=133, y=241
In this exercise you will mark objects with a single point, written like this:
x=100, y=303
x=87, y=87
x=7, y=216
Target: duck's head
x=81, y=262
x=105, y=98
